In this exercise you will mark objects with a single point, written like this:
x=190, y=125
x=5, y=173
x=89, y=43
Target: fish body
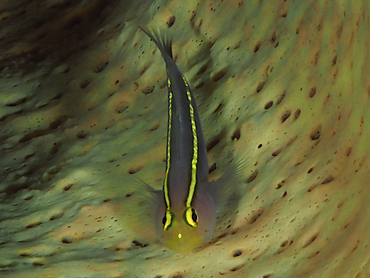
x=186, y=211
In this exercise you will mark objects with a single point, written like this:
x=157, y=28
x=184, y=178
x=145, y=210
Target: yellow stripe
x=165, y=185
x=194, y=161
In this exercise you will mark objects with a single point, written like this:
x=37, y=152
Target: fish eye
x=167, y=220
x=191, y=217
x=194, y=216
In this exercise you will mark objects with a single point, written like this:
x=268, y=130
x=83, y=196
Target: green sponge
x=83, y=113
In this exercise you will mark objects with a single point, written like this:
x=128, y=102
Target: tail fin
x=163, y=43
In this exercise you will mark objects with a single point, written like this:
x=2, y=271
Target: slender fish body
x=186, y=212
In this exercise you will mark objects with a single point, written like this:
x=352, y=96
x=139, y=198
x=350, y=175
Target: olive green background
x=83, y=113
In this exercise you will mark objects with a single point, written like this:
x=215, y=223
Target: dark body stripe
x=186, y=150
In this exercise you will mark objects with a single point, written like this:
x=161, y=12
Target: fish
x=185, y=214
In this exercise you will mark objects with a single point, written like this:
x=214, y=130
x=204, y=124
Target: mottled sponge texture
x=83, y=113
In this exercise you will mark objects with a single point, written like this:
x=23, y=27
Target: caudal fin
x=163, y=42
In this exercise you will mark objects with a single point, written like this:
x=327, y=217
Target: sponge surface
x=83, y=113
